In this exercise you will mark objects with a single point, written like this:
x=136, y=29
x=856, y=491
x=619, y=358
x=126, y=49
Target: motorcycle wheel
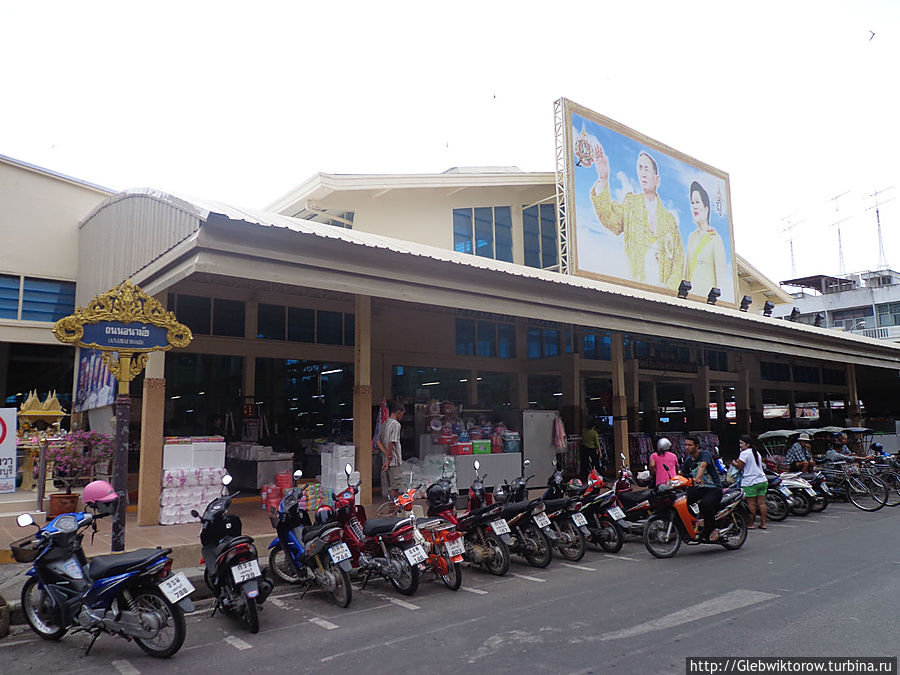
x=283, y=567
x=802, y=504
x=343, y=591
x=735, y=540
x=453, y=578
x=540, y=556
x=819, y=502
x=408, y=582
x=39, y=612
x=171, y=636
x=499, y=564
x=611, y=537
x=892, y=482
x=865, y=492
x=574, y=551
x=655, y=539
x=776, y=505
x=248, y=614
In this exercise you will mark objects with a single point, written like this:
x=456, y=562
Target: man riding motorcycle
x=707, y=488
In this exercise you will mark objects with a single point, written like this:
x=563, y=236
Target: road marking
x=14, y=644
x=579, y=567
x=810, y=520
x=724, y=603
x=525, y=576
x=236, y=642
x=620, y=557
x=327, y=625
x=783, y=525
x=403, y=603
x=830, y=516
x=476, y=591
x=125, y=668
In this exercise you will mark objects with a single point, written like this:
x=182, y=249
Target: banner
x=645, y=215
x=7, y=450
x=96, y=385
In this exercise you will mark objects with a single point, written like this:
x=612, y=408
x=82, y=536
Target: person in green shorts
x=753, y=480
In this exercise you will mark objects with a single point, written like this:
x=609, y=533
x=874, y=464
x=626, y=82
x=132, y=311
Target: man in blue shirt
x=707, y=489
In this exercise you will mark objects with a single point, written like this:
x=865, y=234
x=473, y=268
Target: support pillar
x=632, y=394
x=472, y=389
x=651, y=410
x=619, y=399
x=120, y=453
x=852, y=396
x=742, y=401
x=362, y=395
x=572, y=399
x=153, y=412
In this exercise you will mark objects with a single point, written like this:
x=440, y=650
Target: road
x=815, y=586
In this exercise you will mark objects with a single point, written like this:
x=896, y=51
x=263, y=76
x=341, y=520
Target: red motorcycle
x=634, y=503
x=385, y=547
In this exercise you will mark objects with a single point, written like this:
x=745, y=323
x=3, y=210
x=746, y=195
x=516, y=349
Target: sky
x=240, y=102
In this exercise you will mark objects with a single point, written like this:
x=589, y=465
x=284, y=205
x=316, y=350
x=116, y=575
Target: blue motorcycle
x=133, y=595
x=304, y=553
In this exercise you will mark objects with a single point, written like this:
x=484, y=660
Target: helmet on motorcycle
x=663, y=445
x=575, y=487
x=324, y=514
x=101, y=496
x=438, y=495
x=877, y=447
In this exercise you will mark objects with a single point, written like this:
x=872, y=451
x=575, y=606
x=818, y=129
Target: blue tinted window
x=532, y=240
x=329, y=328
x=487, y=339
x=484, y=232
x=551, y=342
x=462, y=230
x=9, y=296
x=465, y=337
x=228, y=317
x=503, y=233
x=534, y=343
x=506, y=341
x=548, y=235
x=301, y=324
x=47, y=300
x=194, y=312
x=589, y=349
x=269, y=321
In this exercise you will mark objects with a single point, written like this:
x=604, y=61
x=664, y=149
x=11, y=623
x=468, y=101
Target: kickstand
x=305, y=590
x=93, y=640
x=365, y=580
x=216, y=607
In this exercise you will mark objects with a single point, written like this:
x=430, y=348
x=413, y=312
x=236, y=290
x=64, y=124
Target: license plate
x=456, y=547
x=339, y=552
x=542, y=520
x=616, y=513
x=785, y=491
x=245, y=571
x=416, y=554
x=579, y=519
x=826, y=489
x=810, y=492
x=176, y=587
x=500, y=526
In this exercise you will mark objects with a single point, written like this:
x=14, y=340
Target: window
x=834, y=376
x=194, y=312
x=506, y=341
x=329, y=328
x=350, y=329
x=9, y=296
x=270, y=322
x=465, y=337
x=888, y=314
x=485, y=338
x=596, y=347
x=546, y=342
x=775, y=372
x=717, y=360
x=208, y=316
x=853, y=319
x=806, y=374
x=539, y=228
x=47, y=300
x=301, y=326
x=228, y=318
x=485, y=231
x=304, y=325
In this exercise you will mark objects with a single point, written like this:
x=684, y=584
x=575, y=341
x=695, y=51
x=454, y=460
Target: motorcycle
x=443, y=544
x=779, y=498
x=231, y=563
x=604, y=516
x=802, y=493
x=675, y=521
x=133, y=595
x=485, y=534
x=532, y=534
x=386, y=547
x=298, y=554
x=566, y=519
x=635, y=504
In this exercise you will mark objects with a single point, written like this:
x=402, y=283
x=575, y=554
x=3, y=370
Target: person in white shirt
x=389, y=445
x=753, y=480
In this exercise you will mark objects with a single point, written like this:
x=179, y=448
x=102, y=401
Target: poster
x=643, y=214
x=96, y=385
x=7, y=450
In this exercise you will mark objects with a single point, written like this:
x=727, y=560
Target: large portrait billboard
x=645, y=215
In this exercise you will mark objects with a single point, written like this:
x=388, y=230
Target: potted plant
x=76, y=459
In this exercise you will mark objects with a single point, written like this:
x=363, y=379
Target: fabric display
x=559, y=434
x=641, y=445
x=314, y=496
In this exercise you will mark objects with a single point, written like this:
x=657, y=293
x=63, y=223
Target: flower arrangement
x=78, y=454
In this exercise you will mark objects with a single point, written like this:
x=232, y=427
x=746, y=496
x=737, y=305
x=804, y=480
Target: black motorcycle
x=231, y=563
x=566, y=519
x=532, y=532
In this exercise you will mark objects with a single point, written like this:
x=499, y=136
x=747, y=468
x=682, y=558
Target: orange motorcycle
x=442, y=543
x=674, y=520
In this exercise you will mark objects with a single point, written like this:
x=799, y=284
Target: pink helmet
x=98, y=492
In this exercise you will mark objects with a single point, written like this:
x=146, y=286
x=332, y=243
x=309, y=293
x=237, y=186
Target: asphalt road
x=823, y=585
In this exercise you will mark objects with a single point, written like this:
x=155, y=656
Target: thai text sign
x=7, y=449
x=117, y=335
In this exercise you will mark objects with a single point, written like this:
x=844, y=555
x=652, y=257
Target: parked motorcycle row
x=136, y=596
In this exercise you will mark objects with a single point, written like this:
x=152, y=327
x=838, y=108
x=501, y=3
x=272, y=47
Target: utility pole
x=882, y=258
x=837, y=225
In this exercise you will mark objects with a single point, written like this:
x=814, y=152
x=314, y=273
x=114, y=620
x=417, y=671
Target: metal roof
x=54, y=174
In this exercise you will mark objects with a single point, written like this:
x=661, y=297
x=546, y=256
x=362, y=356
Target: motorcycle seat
x=228, y=542
x=313, y=531
x=730, y=495
x=118, y=563
x=634, y=497
x=556, y=504
x=513, y=509
x=469, y=518
x=808, y=476
x=380, y=526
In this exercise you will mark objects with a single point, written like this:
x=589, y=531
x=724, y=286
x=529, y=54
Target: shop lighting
x=331, y=372
x=768, y=307
x=478, y=379
x=713, y=295
x=746, y=302
x=191, y=410
x=795, y=314
x=428, y=384
x=465, y=379
x=559, y=393
x=684, y=288
x=174, y=397
x=818, y=320
x=200, y=393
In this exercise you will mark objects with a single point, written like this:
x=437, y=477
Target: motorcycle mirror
x=553, y=463
x=622, y=455
x=194, y=513
x=476, y=464
x=25, y=520
x=298, y=474
x=226, y=479
x=448, y=462
x=348, y=469
x=526, y=463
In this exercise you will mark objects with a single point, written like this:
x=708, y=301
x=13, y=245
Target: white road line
x=4, y=643
x=724, y=603
x=403, y=603
x=620, y=557
x=476, y=591
x=810, y=520
x=782, y=525
x=327, y=625
x=525, y=576
x=237, y=643
x=830, y=516
x=125, y=668
x=579, y=567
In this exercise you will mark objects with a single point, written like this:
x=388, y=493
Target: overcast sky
x=240, y=102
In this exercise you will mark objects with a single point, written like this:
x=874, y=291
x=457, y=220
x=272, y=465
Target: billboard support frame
x=561, y=181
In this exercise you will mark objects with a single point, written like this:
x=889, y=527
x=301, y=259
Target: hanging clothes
x=559, y=434
x=383, y=414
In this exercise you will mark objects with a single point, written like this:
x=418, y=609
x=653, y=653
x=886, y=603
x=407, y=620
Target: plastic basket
x=25, y=550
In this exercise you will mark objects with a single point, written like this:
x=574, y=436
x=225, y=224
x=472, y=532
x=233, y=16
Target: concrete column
x=852, y=396
x=619, y=399
x=362, y=395
x=153, y=412
x=472, y=389
x=632, y=393
x=522, y=390
x=651, y=410
x=742, y=401
x=571, y=395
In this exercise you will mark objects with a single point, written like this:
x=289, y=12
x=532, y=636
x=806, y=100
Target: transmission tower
x=882, y=258
x=837, y=225
x=787, y=230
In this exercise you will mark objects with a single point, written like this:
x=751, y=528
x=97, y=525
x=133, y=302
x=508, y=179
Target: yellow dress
x=630, y=218
x=704, y=263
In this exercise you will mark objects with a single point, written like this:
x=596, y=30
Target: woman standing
x=753, y=481
x=704, y=260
